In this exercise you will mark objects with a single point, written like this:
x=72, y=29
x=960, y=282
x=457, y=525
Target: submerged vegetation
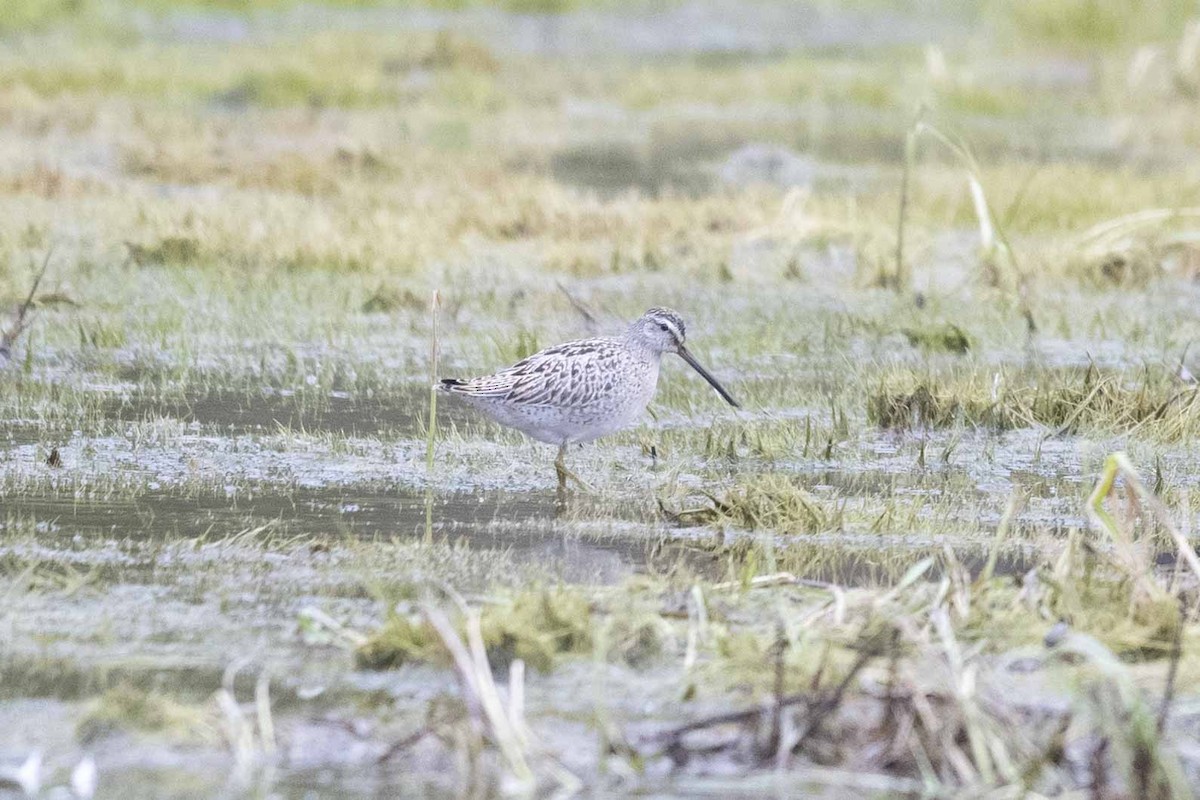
x=947, y=254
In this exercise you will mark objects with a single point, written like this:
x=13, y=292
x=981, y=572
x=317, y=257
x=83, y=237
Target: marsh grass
x=924, y=659
x=981, y=611
x=946, y=338
x=843, y=594
x=534, y=626
x=1067, y=401
x=762, y=439
x=126, y=708
x=1135, y=249
x=777, y=503
x=1084, y=24
x=26, y=15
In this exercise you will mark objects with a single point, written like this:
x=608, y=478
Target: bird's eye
x=662, y=327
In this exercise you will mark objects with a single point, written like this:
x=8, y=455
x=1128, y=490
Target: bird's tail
x=450, y=384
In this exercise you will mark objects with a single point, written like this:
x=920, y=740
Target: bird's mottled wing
x=567, y=375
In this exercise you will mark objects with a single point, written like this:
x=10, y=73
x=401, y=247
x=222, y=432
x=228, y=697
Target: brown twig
x=21, y=323
x=399, y=746
x=898, y=277
x=588, y=315
x=823, y=709
x=749, y=715
x=820, y=707
x=781, y=645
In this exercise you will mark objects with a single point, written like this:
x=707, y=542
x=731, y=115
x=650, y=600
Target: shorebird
x=582, y=390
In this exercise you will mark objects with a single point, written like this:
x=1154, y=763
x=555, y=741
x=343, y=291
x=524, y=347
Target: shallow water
x=522, y=525
x=396, y=413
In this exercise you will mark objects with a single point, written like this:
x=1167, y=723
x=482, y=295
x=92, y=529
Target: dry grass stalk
x=1119, y=465
x=492, y=719
x=22, y=320
x=251, y=741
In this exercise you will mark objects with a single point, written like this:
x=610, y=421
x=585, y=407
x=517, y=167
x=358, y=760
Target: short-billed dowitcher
x=582, y=390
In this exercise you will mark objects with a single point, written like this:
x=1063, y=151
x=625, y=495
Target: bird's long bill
x=694, y=364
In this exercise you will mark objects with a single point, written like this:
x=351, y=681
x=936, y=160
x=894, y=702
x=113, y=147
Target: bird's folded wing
x=564, y=376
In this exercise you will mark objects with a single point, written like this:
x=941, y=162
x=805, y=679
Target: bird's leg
x=560, y=467
x=650, y=448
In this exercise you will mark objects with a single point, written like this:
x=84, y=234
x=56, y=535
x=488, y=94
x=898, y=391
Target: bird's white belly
x=558, y=424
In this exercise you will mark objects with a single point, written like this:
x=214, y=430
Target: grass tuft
x=125, y=708
x=945, y=338
x=1068, y=401
x=535, y=626
x=776, y=502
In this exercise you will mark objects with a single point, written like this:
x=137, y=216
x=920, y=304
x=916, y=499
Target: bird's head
x=661, y=330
